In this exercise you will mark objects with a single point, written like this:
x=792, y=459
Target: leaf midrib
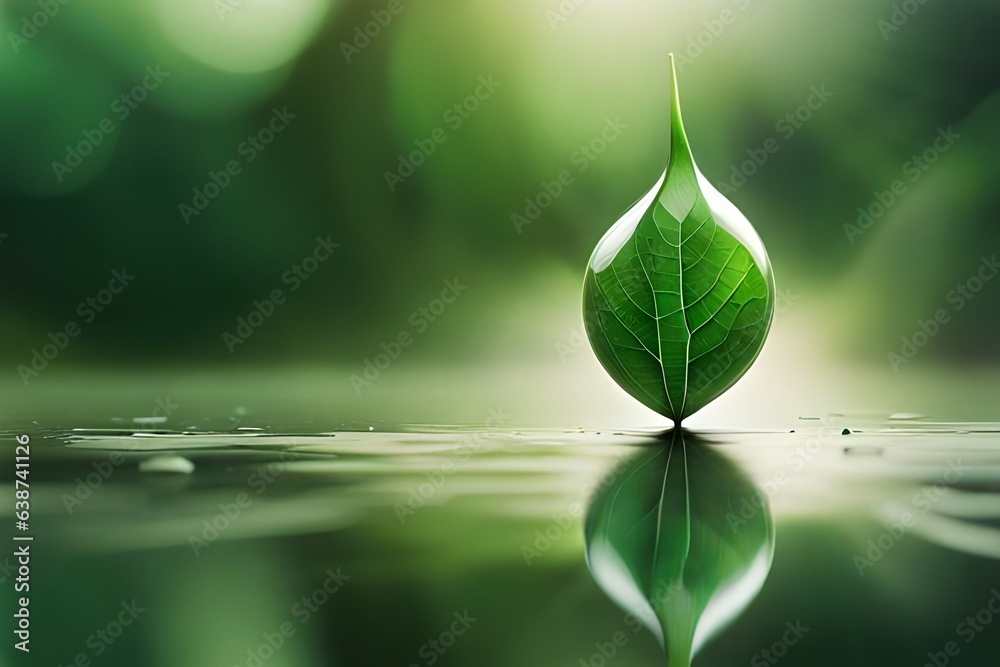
x=656, y=318
x=687, y=323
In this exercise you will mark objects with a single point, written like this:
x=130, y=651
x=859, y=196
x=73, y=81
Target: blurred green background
x=93, y=182
x=278, y=122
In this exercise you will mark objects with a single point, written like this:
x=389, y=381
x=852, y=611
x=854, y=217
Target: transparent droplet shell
x=679, y=293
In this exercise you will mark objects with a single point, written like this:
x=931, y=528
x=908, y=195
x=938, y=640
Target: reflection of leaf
x=679, y=296
x=667, y=541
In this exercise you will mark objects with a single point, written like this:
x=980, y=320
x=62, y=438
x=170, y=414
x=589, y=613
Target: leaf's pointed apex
x=679, y=147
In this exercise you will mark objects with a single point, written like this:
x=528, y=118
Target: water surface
x=378, y=544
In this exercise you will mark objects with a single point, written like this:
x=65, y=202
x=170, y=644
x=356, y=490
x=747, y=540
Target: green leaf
x=682, y=540
x=679, y=295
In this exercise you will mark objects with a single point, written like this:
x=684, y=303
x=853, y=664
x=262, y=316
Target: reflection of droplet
x=681, y=539
x=679, y=296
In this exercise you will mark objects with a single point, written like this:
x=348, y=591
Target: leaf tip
x=678, y=138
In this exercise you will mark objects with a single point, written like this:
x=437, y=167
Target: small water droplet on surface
x=175, y=464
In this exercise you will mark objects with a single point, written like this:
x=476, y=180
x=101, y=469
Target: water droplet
x=679, y=295
x=174, y=464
